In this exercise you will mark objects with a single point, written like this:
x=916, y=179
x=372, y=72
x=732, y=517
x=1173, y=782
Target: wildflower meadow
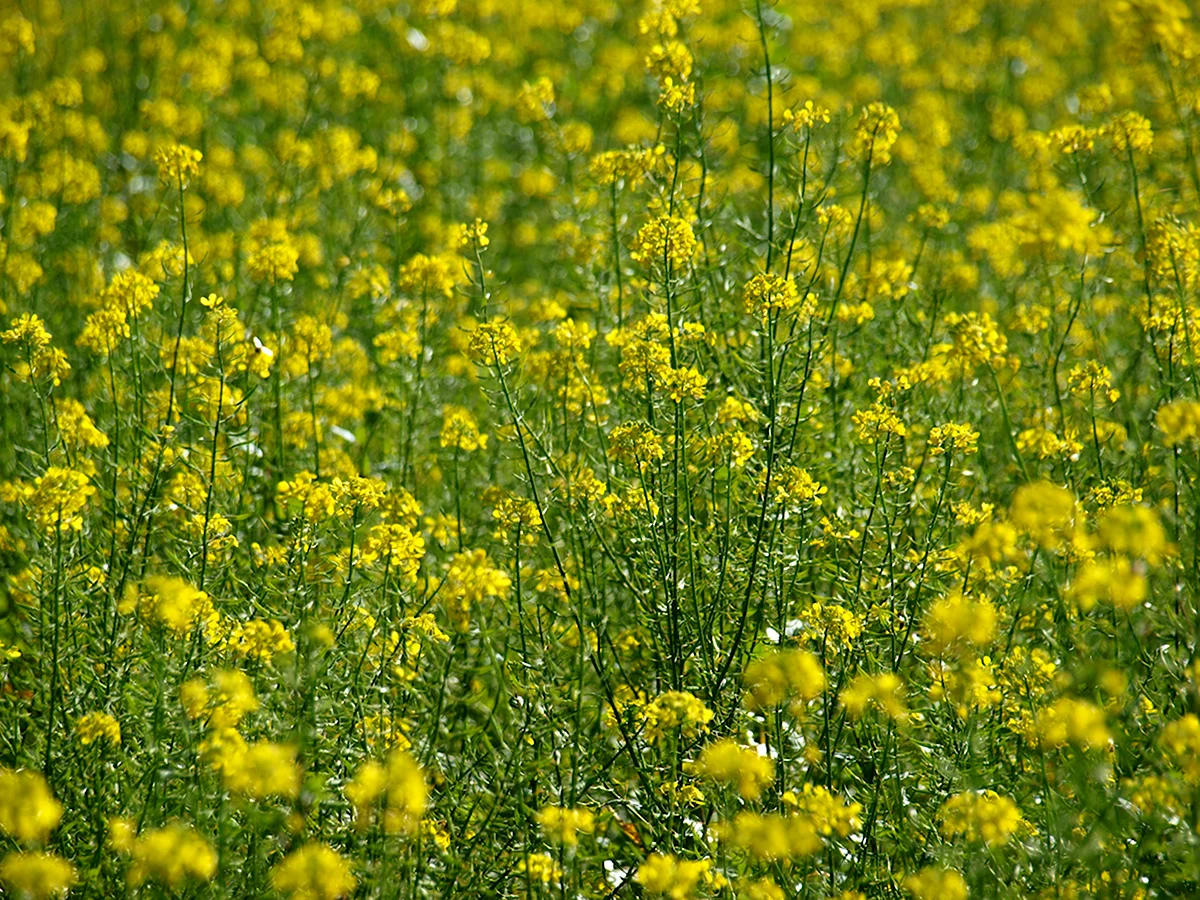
x=686, y=449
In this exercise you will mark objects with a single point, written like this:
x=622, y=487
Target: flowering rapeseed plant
x=663, y=448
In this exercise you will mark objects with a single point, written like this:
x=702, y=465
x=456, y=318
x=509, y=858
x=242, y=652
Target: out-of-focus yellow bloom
x=28, y=810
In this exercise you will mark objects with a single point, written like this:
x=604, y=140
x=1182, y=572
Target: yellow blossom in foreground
x=314, y=872
x=1179, y=422
x=665, y=875
x=984, y=816
x=932, y=883
x=400, y=784
x=174, y=603
x=540, y=868
x=742, y=767
x=36, y=875
x=28, y=810
x=565, y=824
x=1181, y=740
x=884, y=692
x=171, y=856
x=1044, y=511
x=1135, y=531
x=781, y=677
x=773, y=837
x=223, y=704
x=1114, y=581
x=1072, y=721
x=958, y=623
x=262, y=770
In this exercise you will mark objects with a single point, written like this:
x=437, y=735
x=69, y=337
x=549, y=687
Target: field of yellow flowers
x=682, y=449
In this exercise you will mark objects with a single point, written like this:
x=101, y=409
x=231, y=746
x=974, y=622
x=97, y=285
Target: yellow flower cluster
x=398, y=785
x=726, y=762
x=783, y=676
x=981, y=816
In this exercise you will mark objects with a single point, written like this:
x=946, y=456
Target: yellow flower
x=983, y=816
x=795, y=487
x=259, y=639
x=95, y=726
x=262, y=770
x=684, y=383
x=1071, y=721
x=933, y=883
x=171, y=855
x=535, y=102
x=1179, y=422
x=1181, y=741
x=727, y=762
x=1130, y=132
x=540, y=868
x=768, y=291
x=884, y=692
x=808, y=116
x=782, y=676
x=274, y=262
x=833, y=627
x=676, y=710
x=668, y=876
x=28, y=810
x=27, y=329
x=314, y=872
x=1044, y=511
x=1114, y=581
x=878, y=128
x=401, y=785
x=474, y=235
x=177, y=164
x=828, y=813
x=667, y=240
x=670, y=59
x=494, y=343
x=174, y=603
x=460, y=430
x=397, y=546
x=225, y=704
x=1134, y=531
x=634, y=443
x=471, y=578
x=37, y=875
x=631, y=165
x=876, y=421
x=423, y=275
x=57, y=499
x=817, y=816
x=952, y=436
x=565, y=824
x=958, y=623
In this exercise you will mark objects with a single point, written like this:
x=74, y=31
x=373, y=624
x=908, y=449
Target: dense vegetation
x=672, y=448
